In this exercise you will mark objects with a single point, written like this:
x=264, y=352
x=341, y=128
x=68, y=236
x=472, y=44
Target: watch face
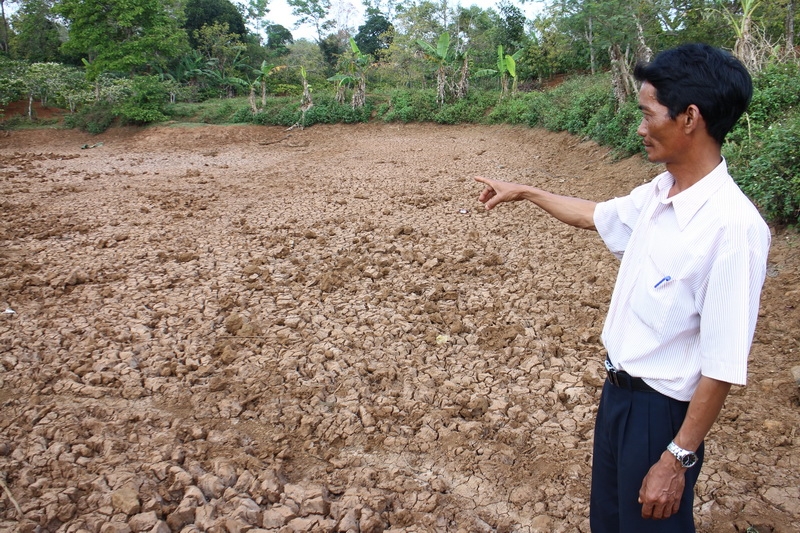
x=689, y=460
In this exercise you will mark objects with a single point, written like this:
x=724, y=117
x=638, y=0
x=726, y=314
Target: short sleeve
x=616, y=218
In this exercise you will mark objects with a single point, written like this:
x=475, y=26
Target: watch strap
x=685, y=457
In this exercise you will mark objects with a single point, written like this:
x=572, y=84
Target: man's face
x=663, y=137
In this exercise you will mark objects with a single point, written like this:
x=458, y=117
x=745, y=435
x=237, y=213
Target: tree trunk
x=463, y=84
x=621, y=78
x=643, y=52
x=360, y=93
x=743, y=48
x=790, y=25
x=252, y=100
x=340, y=92
x=4, y=36
x=590, y=40
x=441, y=85
x=263, y=94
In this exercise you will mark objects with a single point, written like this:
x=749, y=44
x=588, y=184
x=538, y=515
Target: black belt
x=623, y=380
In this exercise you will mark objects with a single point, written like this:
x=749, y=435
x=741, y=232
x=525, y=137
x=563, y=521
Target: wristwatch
x=685, y=457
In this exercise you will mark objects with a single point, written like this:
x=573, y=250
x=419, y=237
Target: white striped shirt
x=686, y=299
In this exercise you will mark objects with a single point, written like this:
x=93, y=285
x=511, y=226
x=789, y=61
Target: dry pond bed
x=232, y=329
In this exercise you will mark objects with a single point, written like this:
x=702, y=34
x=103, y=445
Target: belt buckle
x=611, y=372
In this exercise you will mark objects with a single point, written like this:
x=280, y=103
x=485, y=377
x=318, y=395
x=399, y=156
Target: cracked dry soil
x=234, y=329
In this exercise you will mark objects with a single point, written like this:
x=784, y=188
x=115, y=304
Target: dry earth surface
x=233, y=329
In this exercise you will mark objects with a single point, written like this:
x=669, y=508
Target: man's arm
x=573, y=211
x=663, y=485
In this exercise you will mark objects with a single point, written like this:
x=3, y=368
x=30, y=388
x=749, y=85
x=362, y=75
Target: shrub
x=94, y=119
x=768, y=171
x=219, y=111
x=146, y=103
x=327, y=110
x=412, y=106
x=471, y=109
x=514, y=110
x=617, y=129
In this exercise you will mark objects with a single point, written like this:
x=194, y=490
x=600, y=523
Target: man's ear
x=692, y=118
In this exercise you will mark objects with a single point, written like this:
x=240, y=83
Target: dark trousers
x=632, y=431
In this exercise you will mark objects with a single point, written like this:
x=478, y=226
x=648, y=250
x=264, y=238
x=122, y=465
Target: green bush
x=616, y=128
x=471, y=109
x=94, y=119
x=327, y=110
x=574, y=102
x=540, y=105
x=412, y=106
x=513, y=110
x=285, y=89
x=220, y=110
x=773, y=98
x=146, y=103
x=768, y=171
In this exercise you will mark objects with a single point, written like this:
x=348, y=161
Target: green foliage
x=772, y=99
x=768, y=170
x=412, y=106
x=327, y=111
x=617, y=129
x=146, y=102
x=36, y=34
x=121, y=35
x=520, y=109
x=201, y=13
x=94, y=119
x=286, y=112
x=471, y=109
x=375, y=35
x=12, y=87
x=278, y=39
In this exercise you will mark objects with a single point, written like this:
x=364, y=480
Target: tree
x=279, y=39
x=506, y=66
x=375, y=34
x=4, y=35
x=37, y=37
x=262, y=75
x=353, y=69
x=224, y=53
x=332, y=48
x=122, y=35
x=201, y=13
x=742, y=24
x=312, y=12
x=440, y=56
x=511, y=27
x=421, y=21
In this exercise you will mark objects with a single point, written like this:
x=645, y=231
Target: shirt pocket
x=662, y=298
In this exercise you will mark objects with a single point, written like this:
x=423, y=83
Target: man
x=684, y=308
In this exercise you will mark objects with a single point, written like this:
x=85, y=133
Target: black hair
x=710, y=78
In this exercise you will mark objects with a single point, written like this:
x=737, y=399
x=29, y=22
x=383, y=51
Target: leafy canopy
x=122, y=35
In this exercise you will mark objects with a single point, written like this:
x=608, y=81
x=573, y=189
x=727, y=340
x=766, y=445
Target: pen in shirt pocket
x=663, y=280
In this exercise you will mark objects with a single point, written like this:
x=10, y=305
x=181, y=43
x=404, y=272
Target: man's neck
x=690, y=170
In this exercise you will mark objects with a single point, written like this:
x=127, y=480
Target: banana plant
x=441, y=57
x=265, y=71
x=742, y=25
x=306, y=102
x=506, y=66
x=353, y=72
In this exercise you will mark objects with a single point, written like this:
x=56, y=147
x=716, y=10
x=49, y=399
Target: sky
x=281, y=13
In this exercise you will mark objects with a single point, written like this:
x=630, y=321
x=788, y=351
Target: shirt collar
x=687, y=203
